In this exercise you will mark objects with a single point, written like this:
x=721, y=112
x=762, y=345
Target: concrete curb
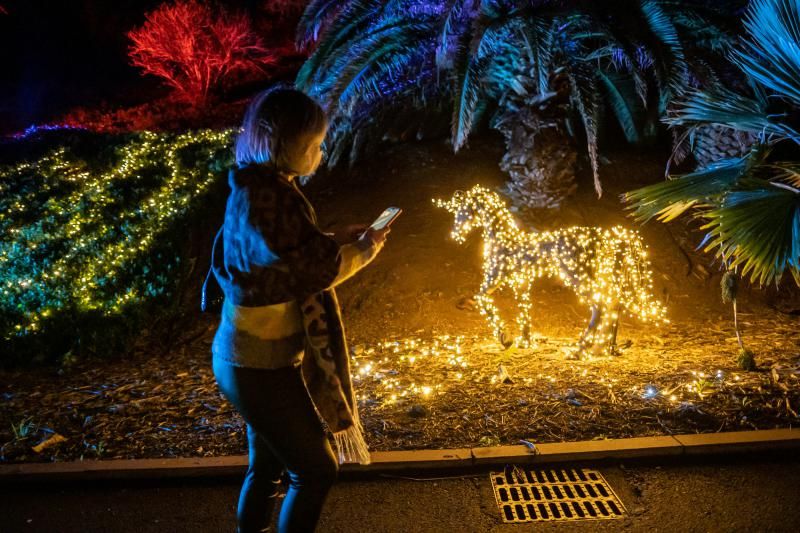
x=416, y=460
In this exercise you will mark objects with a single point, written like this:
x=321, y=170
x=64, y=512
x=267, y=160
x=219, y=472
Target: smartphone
x=385, y=218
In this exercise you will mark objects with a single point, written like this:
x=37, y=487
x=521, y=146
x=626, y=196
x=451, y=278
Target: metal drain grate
x=545, y=495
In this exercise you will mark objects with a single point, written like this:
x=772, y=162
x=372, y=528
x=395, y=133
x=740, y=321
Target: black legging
x=283, y=432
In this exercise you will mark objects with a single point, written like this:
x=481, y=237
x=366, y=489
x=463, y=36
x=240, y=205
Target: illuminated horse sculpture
x=607, y=268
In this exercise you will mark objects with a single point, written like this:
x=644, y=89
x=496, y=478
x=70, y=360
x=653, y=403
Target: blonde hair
x=276, y=117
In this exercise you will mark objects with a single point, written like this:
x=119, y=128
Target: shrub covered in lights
x=91, y=237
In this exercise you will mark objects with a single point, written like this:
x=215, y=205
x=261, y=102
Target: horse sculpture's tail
x=639, y=282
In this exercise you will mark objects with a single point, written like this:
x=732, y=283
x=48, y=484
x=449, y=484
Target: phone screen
x=385, y=218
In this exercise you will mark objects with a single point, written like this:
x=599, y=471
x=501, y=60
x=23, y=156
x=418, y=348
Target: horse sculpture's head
x=472, y=209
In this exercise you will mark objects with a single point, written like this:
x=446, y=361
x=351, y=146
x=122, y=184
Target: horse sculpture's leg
x=588, y=338
x=605, y=331
x=612, y=344
x=604, y=325
x=487, y=308
x=523, y=296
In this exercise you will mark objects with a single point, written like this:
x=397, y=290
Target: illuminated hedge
x=88, y=240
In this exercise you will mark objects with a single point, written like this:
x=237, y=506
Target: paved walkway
x=727, y=496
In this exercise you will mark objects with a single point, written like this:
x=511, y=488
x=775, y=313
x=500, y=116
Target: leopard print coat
x=274, y=252
x=273, y=249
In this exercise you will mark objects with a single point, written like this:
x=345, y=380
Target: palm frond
x=758, y=230
x=538, y=36
x=396, y=75
x=586, y=99
x=350, y=22
x=491, y=33
x=727, y=108
x=615, y=56
x=339, y=137
x=751, y=208
x=772, y=55
x=669, y=199
x=359, y=140
x=452, y=36
x=664, y=29
x=371, y=54
x=383, y=101
x=624, y=105
x=681, y=147
x=392, y=42
x=470, y=81
x=702, y=32
x=467, y=96
x=317, y=15
x=784, y=172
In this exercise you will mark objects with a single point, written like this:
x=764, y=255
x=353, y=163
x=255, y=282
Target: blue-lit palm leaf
x=467, y=99
x=772, y=55
x=472, y=54
x=348, y=73
x=350, y=22
x=490, y=65
x=727, y=108
x=751, y=206
x=453, y=38
x=396, y=75
x=364, y=106
x=624, y=103
x=317, y=17
x=759, y=231
x=586, y=100
x=704, y=33
x=538, y=35
x=672, y=69
x=670, y=199
x=350, y=45
x=472, y=83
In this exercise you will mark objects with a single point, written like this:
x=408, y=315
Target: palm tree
x=535, y=69
x=750, y=204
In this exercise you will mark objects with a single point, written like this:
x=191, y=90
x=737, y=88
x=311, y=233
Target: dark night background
x=64, y=53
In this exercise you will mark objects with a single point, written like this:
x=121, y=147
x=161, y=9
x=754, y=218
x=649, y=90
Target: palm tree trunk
x=713, y=142
x=540, y=162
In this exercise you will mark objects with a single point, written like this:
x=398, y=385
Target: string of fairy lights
x=407, y=371
x=607, y=269
x=378, y=363
x=79, y=236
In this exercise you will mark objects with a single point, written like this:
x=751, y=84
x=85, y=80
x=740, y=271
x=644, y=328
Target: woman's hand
x=377, y=236
x=350, y=233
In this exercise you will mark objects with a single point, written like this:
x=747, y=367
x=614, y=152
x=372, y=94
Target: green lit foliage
x=750, y=205
x=384, y=69
x=89, y=239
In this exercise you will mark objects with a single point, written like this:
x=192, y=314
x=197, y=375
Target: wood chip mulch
x=430, y=391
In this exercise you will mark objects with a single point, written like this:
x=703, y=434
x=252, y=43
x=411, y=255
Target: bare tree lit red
x=196, y=48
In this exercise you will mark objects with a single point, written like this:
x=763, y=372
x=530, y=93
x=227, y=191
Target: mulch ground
x=427, y=373
x=425, y=392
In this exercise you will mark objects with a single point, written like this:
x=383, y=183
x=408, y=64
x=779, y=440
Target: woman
x=277, y=270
